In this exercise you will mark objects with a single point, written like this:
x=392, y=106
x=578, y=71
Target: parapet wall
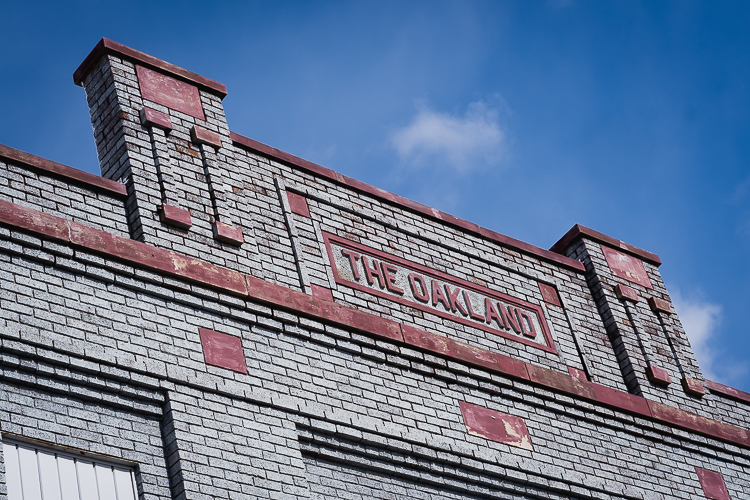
x=287, y=332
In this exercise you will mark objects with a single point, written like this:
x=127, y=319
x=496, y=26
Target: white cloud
x=463, y=143
x=701, y=319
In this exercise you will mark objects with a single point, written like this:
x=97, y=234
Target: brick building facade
x=215, y=318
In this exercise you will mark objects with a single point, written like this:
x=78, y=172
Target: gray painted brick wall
x=102, y=356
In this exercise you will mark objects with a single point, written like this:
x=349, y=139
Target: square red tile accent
x=152, y=118
x=549, y=294
x=298, y=204
x=321, y=292
x=496, y=426
x=170, y=92
x=175, y=216
x=626, y=267
x=712, y=484
x=222, y=350
x=624, y=292
x=659, y=305
x=693, y=387
x=658, y=375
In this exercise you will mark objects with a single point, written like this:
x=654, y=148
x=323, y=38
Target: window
x=41, y=474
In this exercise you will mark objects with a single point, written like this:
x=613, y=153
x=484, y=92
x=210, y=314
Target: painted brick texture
x=225, y=371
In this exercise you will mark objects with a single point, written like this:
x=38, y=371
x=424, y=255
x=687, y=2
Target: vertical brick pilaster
x=647, y=338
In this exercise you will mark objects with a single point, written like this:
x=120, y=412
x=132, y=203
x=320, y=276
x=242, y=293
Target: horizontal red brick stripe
x=171, y=263
x=107, y=46
x=283, y=297
x=32, y=220
x=400, y=201
x=473, y=355
x=91, y=181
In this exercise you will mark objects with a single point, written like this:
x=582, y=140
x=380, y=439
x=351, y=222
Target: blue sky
x=632, y=118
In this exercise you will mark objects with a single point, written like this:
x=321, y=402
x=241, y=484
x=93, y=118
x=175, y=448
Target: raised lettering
x=509, y=317
x=471, y=310
x=453, y=298
x=523, y=315
x=439, y=296
x=372, y=273
x=352, y=260
x=491, y=313
x=389, y=271
x=420, y=292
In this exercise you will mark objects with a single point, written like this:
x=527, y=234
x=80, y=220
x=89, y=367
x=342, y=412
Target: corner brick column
x=161, y=130
x=647, y=338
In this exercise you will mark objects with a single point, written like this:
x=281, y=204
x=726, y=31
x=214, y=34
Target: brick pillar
x=161, y=130
x=647, y=337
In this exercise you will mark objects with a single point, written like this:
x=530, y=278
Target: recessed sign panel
x=434, y=292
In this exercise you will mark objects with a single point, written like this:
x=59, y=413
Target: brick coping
x=107, y=46
x=171, y=263
x=728, y=391
x=50, y=167
x=400, y=201
x=583, y=231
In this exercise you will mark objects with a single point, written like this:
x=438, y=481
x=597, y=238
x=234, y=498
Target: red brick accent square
x=298, y=204
x=624, y=292
x=658, y=375
x=712, y=484
x=549, y=294
x=626, y=267
x=152, y=118
x=175, y=216
x=170, y=92
x=200, y=135
x=222, y=350
x=496, y=426
x=659, y=305
x=693, y=387
x=228, y=234
x=321, y=292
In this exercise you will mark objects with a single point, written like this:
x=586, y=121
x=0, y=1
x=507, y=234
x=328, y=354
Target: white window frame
x=37, y=472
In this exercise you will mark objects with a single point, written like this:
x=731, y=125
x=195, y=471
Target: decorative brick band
x=405, y=203
x=578, y=231
x=91, y=181
x=107, y=46
x=197, y=271
x=321, y=292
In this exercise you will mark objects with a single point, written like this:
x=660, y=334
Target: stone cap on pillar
x=579, y=231
x=107, y=46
